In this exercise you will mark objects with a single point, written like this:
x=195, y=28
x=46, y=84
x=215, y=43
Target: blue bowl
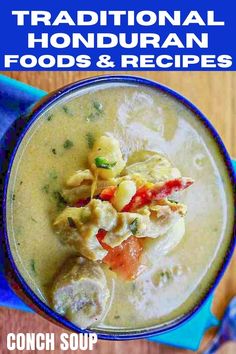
x=14, y=276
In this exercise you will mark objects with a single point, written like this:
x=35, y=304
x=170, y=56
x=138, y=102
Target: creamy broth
x=141, y=119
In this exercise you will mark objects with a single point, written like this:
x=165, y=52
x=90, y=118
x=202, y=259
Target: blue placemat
x=15, y=99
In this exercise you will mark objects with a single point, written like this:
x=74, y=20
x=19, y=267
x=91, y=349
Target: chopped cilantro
x=172, y=201
x=101, y=162
x=134, y=226
x=68, y=144
x=71, y=222
x=98, y=106
x=46, y=188
x=67, y=110
x=95, y=112
x=32, y=265
x=61, y=202
x=49, y=118
x=90, y=140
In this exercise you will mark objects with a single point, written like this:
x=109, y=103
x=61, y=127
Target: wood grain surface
x=214, y=94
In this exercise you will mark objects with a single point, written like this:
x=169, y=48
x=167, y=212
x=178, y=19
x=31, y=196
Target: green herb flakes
x=96, y=111
x=101, y=162
x=46, y=188
x=133, y=226
x=172, y=201
x=98, y=106
x=68, y=144
x=91, y=117
x=71, y=222
x=54, y=151
x=61, y=202
x=49, y=118
x=53, y=175
x=67, y=110
x=90, y=140
x=32, y=266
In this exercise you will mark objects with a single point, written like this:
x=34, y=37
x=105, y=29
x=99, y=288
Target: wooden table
x=214, y=94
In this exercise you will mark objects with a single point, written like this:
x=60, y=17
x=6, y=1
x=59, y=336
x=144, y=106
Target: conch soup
x=119, y=208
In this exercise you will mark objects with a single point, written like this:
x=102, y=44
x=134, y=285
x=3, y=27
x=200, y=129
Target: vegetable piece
x=123, y=194
x=123, y=259
x=112, y=162
x=74, y=194
x=100, y=236
x=108, y=193
x=101, y=162
x=154, y=168
x=80, y=292
x=68, y=144
x=144, y=195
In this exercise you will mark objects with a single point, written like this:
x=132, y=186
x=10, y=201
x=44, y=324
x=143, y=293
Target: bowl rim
x=36, y=112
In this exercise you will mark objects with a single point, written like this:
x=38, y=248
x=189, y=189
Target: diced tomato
x=143, y=196
x=146, y=195
x=107, y=193
x=123, y=259
x=100, y=236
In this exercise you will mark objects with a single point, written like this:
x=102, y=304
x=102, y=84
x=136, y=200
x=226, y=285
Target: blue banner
x=118, y=35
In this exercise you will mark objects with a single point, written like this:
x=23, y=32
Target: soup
x=108, y=153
